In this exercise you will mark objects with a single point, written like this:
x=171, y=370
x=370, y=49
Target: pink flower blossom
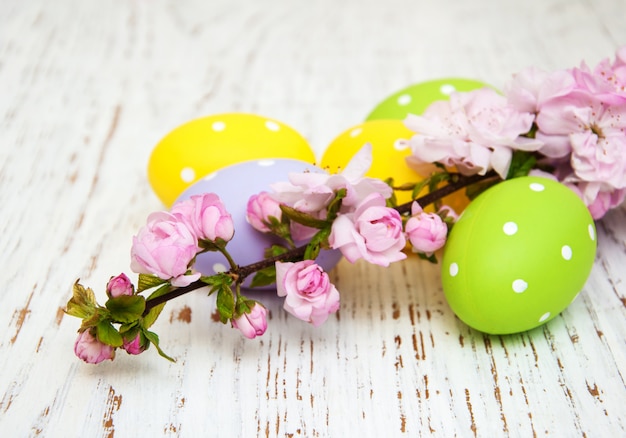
x=614, y=72
x=597, y=199
x=605, y=201
x=206, y=216
x=311, y=192
x=120, y=285
x=475, y=131
x=91, y=350
x=372, y=232
x=426, y=231
x=259, y=210
x=531, y=88
x=252, y=324
x=165, y=247
x=309, y=294
x=135, y=346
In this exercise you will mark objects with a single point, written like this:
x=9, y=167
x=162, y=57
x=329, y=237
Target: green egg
x=518, y=256
x=416, y=98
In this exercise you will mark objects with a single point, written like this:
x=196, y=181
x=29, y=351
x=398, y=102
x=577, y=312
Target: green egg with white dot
x=415, y=98
x=518, y=256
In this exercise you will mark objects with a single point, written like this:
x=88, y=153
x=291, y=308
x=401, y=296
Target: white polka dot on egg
x=272, y=126
x=537, y=187
x=519, y=286
x=454, y=269
x=218, y=126
x=566, y=252
x=592, y=232
x=219, y=267
x=404, y=99
x=447, y=89
x=187, y=174
x=356, y=132
x=544, y=317
x=509, y=228
x=400, y=145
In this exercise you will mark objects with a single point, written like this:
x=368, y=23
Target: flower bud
x=252, y=324
x=135, y=346
x=427, y=232
x=206, y=216
x=259, y=209
x=120, y=285
x=91, y=350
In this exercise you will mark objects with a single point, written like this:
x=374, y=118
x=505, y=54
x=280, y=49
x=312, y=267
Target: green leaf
x=154, y=313
x=431, y=258
x=107, y=334
x=218, y=281
x=154, y=340
x=126, y=308
x=225, y=303
x=83, y=302
x=275, y=250
x=335, y=205
x=522, y=162
x=303, y=218
x=264, y=277
x=210, y=245
x=319, y=240
x=417, y=189
x=147, y=281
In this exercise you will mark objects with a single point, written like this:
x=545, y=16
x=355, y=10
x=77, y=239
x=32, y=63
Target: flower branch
x=568, y=125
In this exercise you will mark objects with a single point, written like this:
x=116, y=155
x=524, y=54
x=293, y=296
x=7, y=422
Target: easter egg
x=389, y=154
x=204, y=145
x=416, y=98
x=235, y=184
x=518, y=256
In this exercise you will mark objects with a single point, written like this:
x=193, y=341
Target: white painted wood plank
x=88, y=88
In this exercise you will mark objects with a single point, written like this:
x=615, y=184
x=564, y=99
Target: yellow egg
x=388, y=152
x=202, y=146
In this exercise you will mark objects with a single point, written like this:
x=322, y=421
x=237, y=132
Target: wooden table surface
x=88, y=88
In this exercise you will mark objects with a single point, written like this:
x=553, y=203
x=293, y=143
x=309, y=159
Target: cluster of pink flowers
x=574, y=120
x=167, y=246
x=365, y=228
x=88, y=348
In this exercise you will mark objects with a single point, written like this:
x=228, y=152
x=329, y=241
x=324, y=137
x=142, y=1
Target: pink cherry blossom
x=427, y=232
x=91, y=350
x=206, y=217
x=475, y=131
x=309, y=294
x=120, y=285
x=252, y=324
x=165, y=247
x=597, y=198
x=605, y=201
x=260, y=208
x=615, y=72
x=532, y=87
x=311, y=192
x=134, y=346
x=372, y=232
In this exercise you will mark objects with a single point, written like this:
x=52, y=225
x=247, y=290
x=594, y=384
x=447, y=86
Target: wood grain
x=88, y=88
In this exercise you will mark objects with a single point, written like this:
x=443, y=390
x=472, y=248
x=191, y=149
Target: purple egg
x=235, y=184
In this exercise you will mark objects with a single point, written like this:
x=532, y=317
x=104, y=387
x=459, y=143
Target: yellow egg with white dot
x=389, y=151
x=202, y=146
